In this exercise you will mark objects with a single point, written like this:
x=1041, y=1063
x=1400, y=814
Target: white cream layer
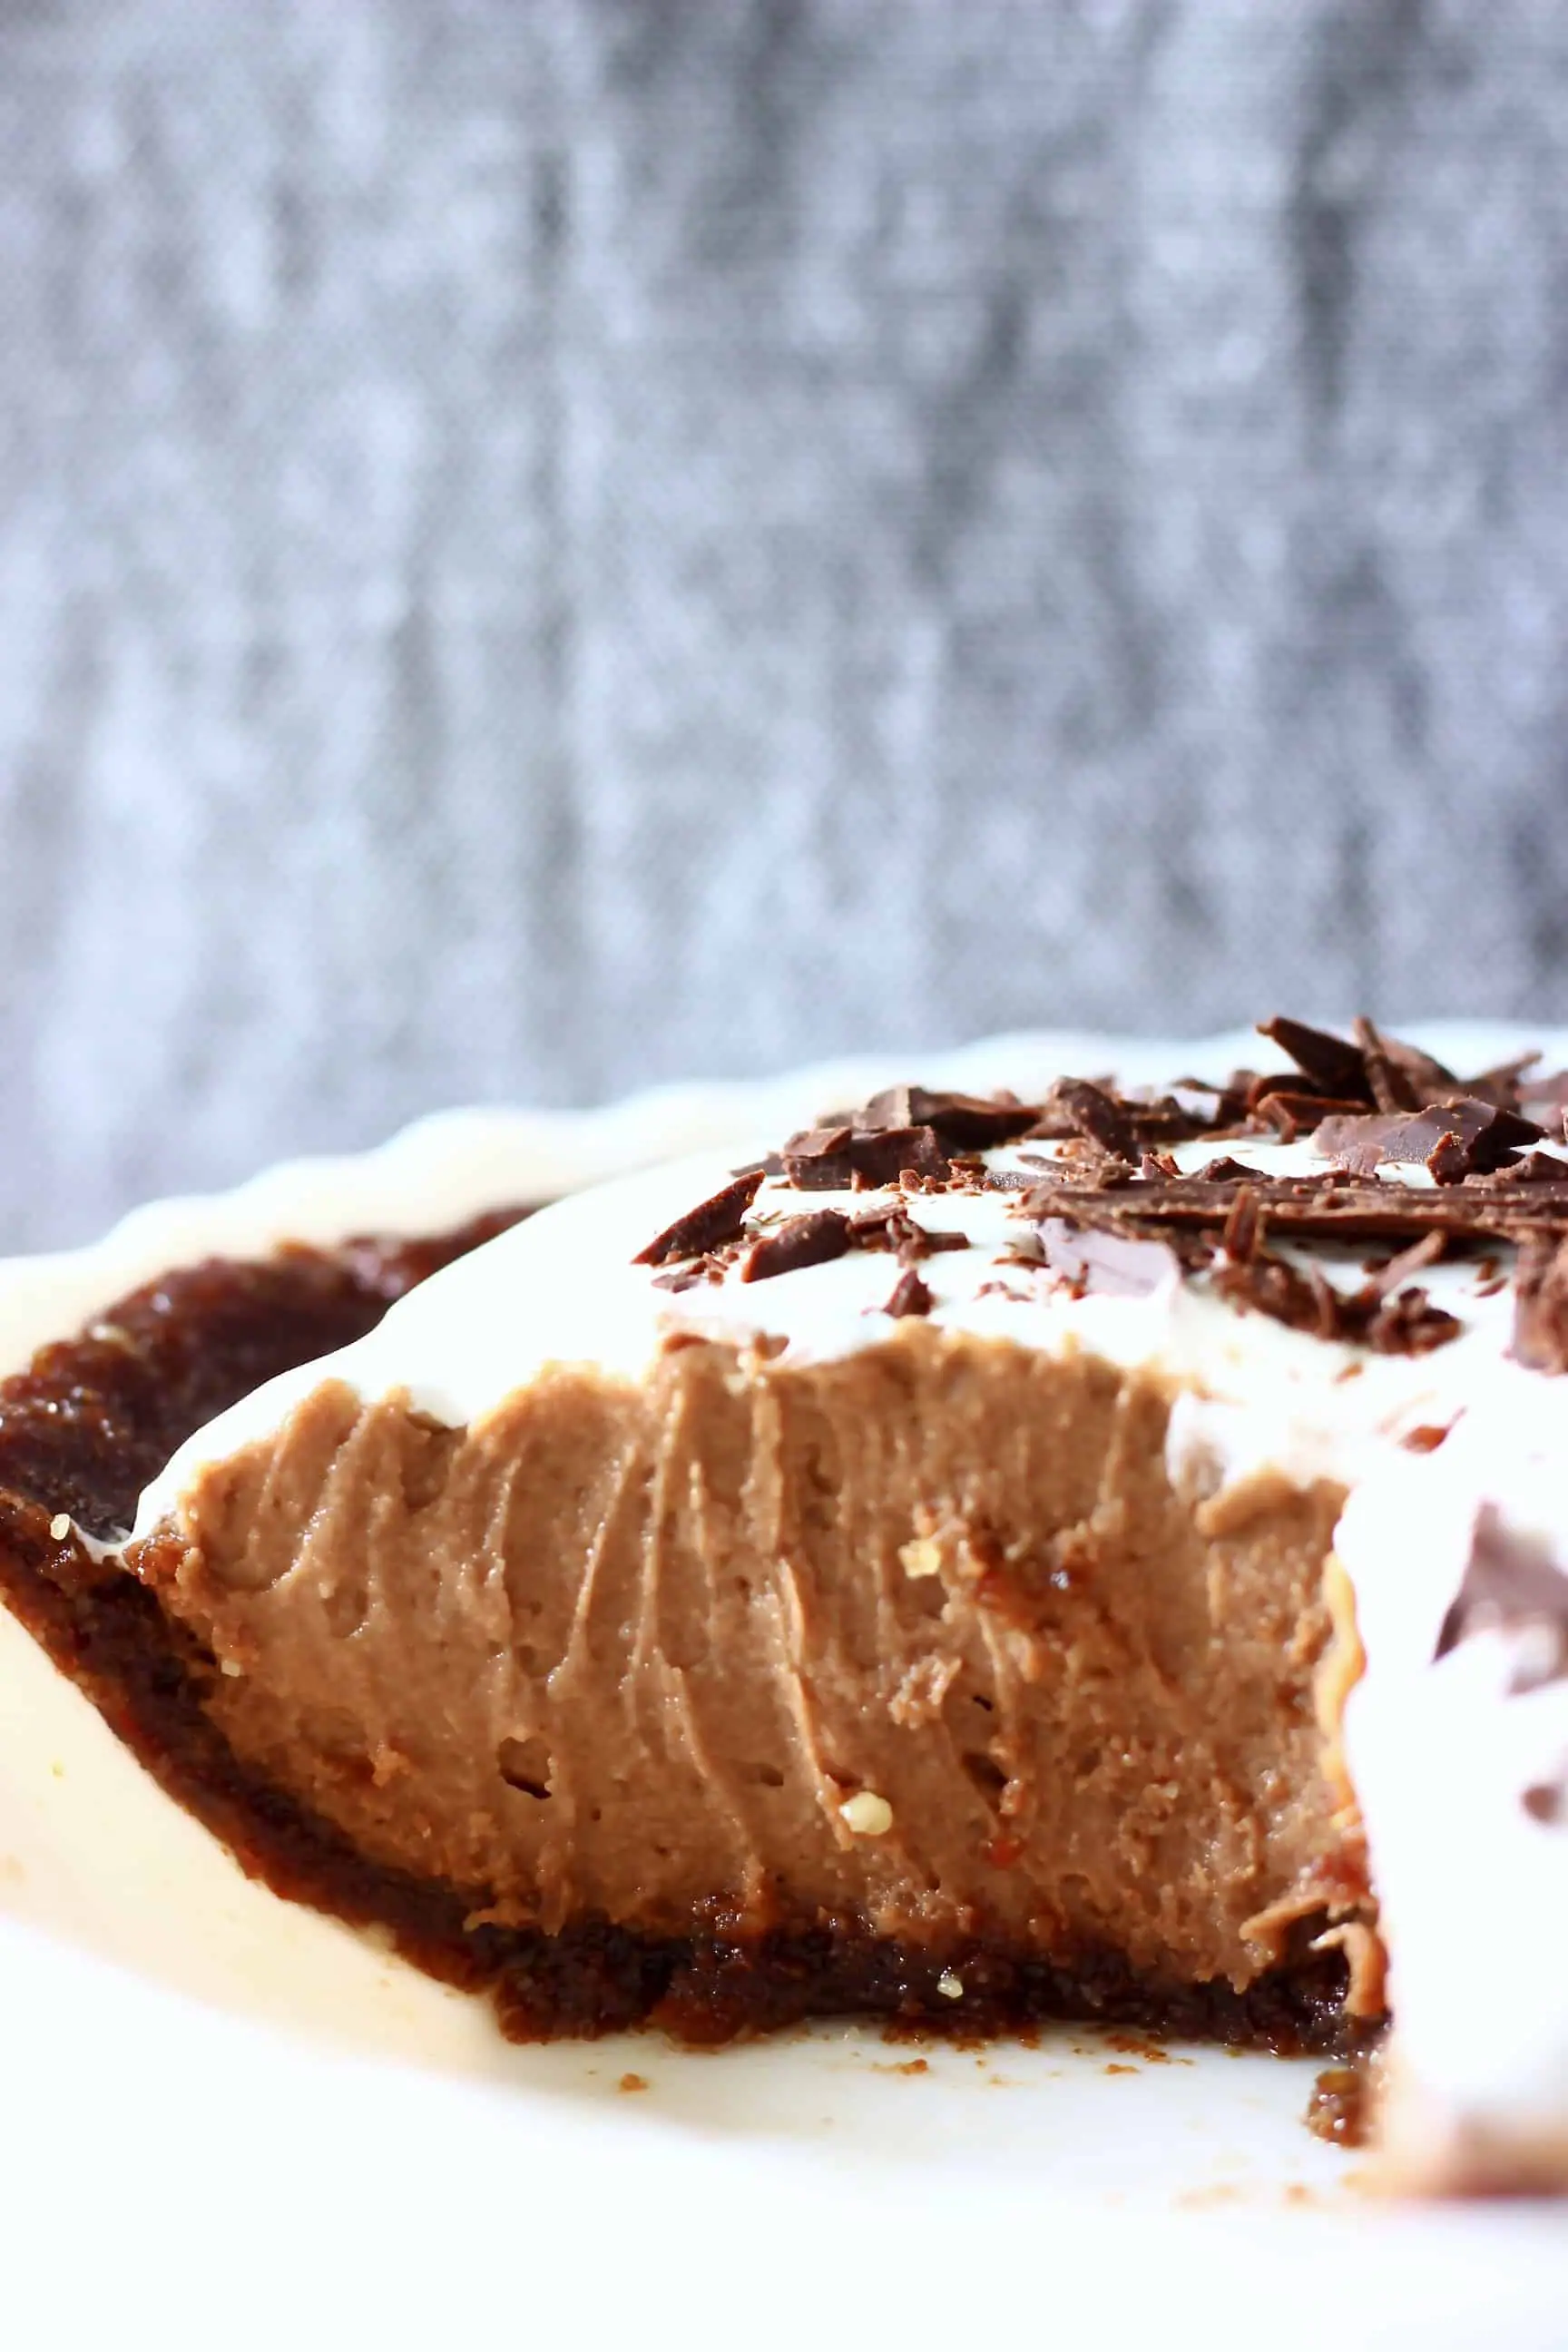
x=1440, y=1754
x=563, y=1288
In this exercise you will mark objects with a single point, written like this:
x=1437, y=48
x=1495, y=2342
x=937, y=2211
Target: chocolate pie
x=1096, y=1556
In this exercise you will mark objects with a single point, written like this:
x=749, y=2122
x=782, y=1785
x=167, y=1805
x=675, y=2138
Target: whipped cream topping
x=563, y=1288
x=1450, y=1754
x=1459, y=1759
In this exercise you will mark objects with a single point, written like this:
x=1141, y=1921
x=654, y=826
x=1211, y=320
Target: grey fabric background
x=546, y=544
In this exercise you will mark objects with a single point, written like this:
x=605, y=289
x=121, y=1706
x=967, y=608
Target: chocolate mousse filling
x=849, y=1678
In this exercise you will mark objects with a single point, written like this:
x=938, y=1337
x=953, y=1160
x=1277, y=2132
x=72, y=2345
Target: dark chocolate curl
x=705, y=1227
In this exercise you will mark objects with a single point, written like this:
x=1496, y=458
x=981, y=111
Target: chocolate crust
x=92, y=1418
x=706, y=1989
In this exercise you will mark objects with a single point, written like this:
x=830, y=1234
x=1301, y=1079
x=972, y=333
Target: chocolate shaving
x=1229, y=1113
x=1163, y=1119
x=1530, y=1168
x=1400, y=1076
x=879, y=1228
x=826, y=1142
x=1100, y=1116
x=890, y=1227
x=812, y=1240
x=1387, y=1278
x=1243, y=1231
x=911, y=1296
x=1363, y=1141
x=1506, y=1084
x=1081, y=1161
x=822, y=1235
x=1448, y=1161
x=1307, y=1301
x=1408, y=1325
x=925, y=1241
x=835, y=1159
x=1541, y=1303
x=1425, y=1437
x=710, y=1267
x=964, y=1122
x=705, y=1227
x=1463, y=1136
x=1509, y=1580
x=1337, y=1069
x=1290, y=1113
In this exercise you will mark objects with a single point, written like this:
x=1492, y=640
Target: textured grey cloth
x=547, y=545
